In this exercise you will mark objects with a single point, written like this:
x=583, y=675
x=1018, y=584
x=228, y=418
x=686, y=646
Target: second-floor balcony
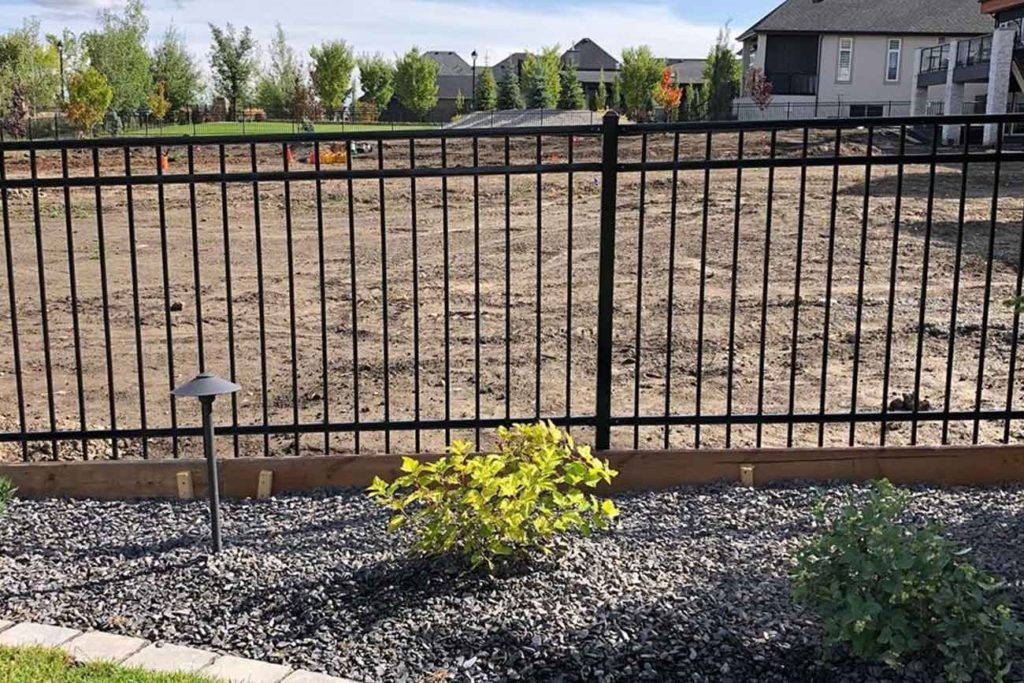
x=935, y=59
x=974, y=52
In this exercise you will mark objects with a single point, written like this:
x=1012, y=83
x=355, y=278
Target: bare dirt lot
x=567, y=328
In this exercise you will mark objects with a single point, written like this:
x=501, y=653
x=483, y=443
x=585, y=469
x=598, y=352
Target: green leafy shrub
x=509, y=502
x=894, y=592
x=6, y=493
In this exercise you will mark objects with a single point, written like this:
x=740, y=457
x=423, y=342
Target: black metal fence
x=662, y=285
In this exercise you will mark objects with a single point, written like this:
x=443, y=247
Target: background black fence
x=663, y=285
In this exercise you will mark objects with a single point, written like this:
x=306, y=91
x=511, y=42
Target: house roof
x=929, y=17
x=510, y=63
x=450, y=62
x=687, y=71
x=589, y=56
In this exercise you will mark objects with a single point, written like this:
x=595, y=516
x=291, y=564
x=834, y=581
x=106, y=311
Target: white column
x=918, y=95
x=954, y=104
x=999, y=78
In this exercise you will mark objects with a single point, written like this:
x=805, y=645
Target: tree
x=509, y=94
x=486, y=96
x=175, y=68
x=570, y=95
x=721, y=77
x=760, y=88
x=416, y=82
x=89, y=97
x=16, y=118
x=118, y=51
x=668, y=95
x=376, y=79
x=233, y=64
x=29, y=66
x=640, y=75
x=460, y=103
x=275, y=88
x=331, y=72
x=692, y=109
x=616, y=101
x=541, y=82
x=158, y=103
x=601, y=96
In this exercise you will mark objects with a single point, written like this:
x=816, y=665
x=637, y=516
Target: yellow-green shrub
x=488, y=506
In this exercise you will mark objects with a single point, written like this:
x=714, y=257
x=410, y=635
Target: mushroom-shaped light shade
x=205, y=384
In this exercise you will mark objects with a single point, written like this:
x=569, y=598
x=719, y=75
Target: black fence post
x=606, y=278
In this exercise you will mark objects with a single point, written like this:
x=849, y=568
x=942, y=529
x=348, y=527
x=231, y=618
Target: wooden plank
x=638, y=470
x=993, y=6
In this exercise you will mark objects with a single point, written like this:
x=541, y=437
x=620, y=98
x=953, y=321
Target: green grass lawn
x=35, y=665
x=268, y=127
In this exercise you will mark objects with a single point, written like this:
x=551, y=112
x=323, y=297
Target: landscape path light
x=207, y=386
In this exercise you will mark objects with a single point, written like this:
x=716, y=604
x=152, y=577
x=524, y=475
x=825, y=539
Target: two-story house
x=838, y=58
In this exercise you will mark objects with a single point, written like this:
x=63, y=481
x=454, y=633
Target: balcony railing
x=793, y=83
x=974, y=51
x=935, y=59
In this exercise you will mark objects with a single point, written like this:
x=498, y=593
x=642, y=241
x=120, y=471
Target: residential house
x=838, y=58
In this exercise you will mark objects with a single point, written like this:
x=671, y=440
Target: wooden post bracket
x=747, y=475
x=265, y=485
x=185, y=489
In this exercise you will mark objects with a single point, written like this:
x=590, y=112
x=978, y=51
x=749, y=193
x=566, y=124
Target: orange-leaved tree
x=667, y=94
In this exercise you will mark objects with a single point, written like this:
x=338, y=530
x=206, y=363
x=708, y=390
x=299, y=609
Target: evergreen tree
x=509, y=94
x=601, y=96
x=616, y=102
x=460, y=103
x=486, y=95
x=541, y=82
x=571, y=95
x=721, y=78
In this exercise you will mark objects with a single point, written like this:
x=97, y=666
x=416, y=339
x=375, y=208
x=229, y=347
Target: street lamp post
x=207, y=386
x=473, y=97
x=60, y=54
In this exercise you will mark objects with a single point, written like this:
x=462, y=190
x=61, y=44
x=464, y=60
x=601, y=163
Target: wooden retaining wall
x=947, y=466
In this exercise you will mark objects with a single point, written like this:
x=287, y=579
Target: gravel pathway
x=690, y=585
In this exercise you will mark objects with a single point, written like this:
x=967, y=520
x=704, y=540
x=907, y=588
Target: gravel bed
x=690, y=585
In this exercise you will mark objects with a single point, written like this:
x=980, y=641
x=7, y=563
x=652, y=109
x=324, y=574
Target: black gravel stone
x=690, y=585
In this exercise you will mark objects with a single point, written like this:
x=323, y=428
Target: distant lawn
x=35, y=665
x=268, y=127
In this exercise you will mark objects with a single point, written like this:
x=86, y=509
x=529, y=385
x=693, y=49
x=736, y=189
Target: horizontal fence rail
x=730, y=284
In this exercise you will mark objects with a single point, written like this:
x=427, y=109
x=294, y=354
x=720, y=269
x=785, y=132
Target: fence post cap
x=610, y=115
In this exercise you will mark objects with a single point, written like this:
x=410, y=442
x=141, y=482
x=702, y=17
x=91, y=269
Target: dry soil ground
x=557, y=264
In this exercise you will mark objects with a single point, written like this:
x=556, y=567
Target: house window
x=844, y=72
x=892, y=60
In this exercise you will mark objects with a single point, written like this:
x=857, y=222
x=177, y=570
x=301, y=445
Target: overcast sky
x=673, y=28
